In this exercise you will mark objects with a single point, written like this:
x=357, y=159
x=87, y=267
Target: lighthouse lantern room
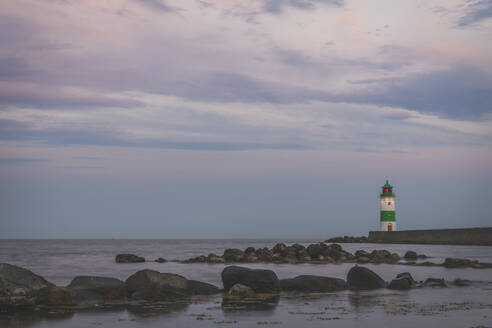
x=387, y=218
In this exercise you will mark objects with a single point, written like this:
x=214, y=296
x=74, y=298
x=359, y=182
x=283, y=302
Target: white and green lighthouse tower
x=388, y=218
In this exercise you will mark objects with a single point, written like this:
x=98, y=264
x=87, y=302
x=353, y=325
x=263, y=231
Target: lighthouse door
x=390, y=227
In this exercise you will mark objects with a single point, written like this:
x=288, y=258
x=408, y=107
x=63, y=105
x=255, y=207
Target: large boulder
x=361, y=278
x=56, y=296
x=233, y=255
x=312, y=284
x=261, y=281
x=155, y=286
x=19, y=286
x=96, y=290
x=202, y=288
x=129, y=258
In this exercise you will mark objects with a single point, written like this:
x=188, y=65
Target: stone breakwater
x=323, y=253
x=21, y=289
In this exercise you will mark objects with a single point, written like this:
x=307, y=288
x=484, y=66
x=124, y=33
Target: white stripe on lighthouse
x=385, y=226
x=388, y=204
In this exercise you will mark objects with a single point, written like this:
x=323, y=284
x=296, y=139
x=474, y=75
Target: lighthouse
x=387, y=218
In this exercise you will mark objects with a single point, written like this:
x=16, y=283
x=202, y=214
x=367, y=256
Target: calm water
x=61, y=260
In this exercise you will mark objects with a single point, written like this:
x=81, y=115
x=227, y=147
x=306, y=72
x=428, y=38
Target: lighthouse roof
x=387, y=185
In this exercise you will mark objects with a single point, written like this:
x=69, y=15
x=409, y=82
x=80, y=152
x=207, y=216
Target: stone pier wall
x=468, y=236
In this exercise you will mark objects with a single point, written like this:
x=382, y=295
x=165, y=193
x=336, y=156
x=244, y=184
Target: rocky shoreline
x=322, y=253
x=21, y=289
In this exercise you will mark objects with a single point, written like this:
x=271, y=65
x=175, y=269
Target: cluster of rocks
x=20, y=288
x=297, y=253
x=465, y=263
x=132, y=258
x=326, y=253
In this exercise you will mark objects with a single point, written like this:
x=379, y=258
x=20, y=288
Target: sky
x=242, y=119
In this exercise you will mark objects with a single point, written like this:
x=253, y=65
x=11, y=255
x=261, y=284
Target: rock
x=129, y=258
x=160, y=260
x=97, y=290
x=213, y=258
x=241, y=291
x=310, y=284
x=157, y=285
x=461, y=282
x=402, y=281
x=410, y=255
x=261, y=281
x=279, y=248
x=249, y=250
x=251, y=258
x=316, y=250
x=361, y=278
x=303, y=255
x=394, y=258
x=240, y=297
x=202, y=288
x=380, y=255
x=56, y=296
x=298, y=247
x=361, y=253
x=19, y=286
x=406, y=275
x=435, y=282
x=426, y=263
x=363, y=259
x=264, y=254
x=150, y=285
x=233, y=255
x=459, y=263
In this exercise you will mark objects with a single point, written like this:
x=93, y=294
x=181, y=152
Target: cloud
x=58, y=136
x=34, y=95
x=276, y=6
x=476, y=12
x=462, y=92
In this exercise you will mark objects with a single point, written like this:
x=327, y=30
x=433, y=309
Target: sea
x=60, y=260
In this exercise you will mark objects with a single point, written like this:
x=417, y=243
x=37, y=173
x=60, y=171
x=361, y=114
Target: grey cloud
x=476, y=11
x=157, y=5
x=276, y=6
x=398, y=116
x=14, y=130
x=463, y=92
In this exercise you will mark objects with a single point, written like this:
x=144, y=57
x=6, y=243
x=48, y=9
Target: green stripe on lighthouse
x=388, y=216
